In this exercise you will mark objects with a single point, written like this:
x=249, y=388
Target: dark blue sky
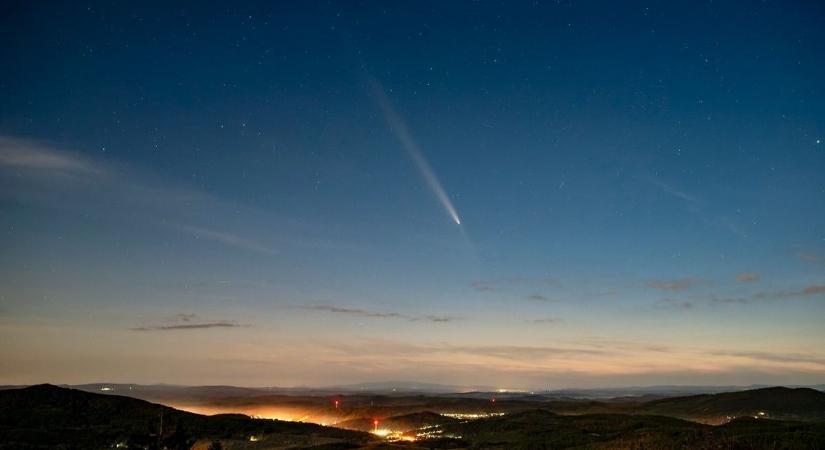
x=270, y=173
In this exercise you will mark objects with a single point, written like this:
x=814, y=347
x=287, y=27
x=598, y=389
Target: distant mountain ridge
x=401, y=387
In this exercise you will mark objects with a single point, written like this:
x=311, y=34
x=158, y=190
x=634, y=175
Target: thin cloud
x=773, y=357
x=607, y=293
x=380, y=314
x=747, y=277
x=356, y=312
x=810, y=257
x=44, y=175
x=667, y=188
x=188, y=321
x=431, y=318
x=733, y=227
x=814, y=290
x=673, y=303
x=769, y=296
x=620, y=357
x=672, y=285
x=501, y=283
x=483, y=286
x=546, y=320
x=189, y=326
x=184, y=317
x=519, y=352
x=538, y=297
x=695, y=205
x=37, y=157
x=435, y=354
x=231, y=239
x=733, y=300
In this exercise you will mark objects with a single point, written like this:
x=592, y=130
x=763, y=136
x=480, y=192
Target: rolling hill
x=539, y=429
x=46, y=416
x=773, y=402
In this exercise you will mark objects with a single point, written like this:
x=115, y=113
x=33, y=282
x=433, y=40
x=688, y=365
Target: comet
x=402, y=133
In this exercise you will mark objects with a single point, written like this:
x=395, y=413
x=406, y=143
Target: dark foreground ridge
x=46, y=417
x=540, y=429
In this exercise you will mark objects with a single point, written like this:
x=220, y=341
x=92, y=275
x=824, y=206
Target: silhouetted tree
x=215, y=445
x=179, y=440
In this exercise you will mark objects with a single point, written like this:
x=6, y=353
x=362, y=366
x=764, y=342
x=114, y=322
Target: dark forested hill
x=539, y=429
x=46, y=416
x=773, y=402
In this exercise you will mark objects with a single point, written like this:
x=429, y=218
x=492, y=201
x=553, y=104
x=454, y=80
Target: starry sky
x=507, y=194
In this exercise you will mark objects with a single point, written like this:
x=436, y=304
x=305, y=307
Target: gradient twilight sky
x=260, y=194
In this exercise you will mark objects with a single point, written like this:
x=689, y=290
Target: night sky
x=507, y=194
